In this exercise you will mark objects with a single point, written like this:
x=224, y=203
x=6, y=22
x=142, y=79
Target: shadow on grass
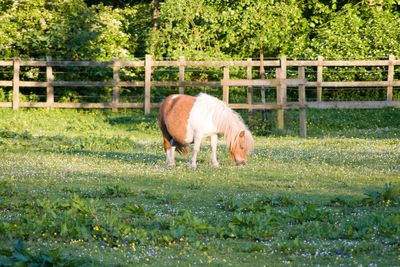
x=142, y=157
x=365, y=124
x=135, y=121
x=96, y=146
x=126, y=119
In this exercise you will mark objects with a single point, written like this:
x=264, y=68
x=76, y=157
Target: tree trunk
x=156, y=14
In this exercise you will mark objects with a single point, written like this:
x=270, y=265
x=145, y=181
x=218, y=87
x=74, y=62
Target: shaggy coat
x=186, y=119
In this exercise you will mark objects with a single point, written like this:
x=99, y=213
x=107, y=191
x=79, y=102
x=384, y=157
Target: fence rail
x=280, y=81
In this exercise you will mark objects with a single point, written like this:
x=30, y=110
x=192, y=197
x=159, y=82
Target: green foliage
x=6, y=189
x=91, y=187
x=109, y=191
x=136, y=24
x=318, y=12
x=120, y=225
x=390, y=195
x=200, y=29
x=68, y=30
x=356, y=32
x=19, y=255
x=221, y=29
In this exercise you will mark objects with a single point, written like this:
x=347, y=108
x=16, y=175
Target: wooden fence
x=280, y=81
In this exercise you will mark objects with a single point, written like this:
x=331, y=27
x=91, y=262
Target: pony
x=185, y=119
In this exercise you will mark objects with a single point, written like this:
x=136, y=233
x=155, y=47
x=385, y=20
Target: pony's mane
x=228, y=122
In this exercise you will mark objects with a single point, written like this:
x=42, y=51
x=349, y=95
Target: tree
x=68, y=29
x=361, y=31
x=220, y=28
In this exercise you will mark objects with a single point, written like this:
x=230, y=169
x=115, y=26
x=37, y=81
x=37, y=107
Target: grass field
x=90, y=188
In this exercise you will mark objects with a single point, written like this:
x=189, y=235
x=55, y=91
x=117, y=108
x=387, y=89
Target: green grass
x=91, y=188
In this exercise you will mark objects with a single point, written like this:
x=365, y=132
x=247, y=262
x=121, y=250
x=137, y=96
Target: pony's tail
x=181, y=148
x=166, y=136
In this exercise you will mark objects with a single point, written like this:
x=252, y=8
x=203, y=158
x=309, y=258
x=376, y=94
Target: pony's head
x=242, y=145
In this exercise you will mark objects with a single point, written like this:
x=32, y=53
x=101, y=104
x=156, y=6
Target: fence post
x=319, y=78
x=17, y=64
x=389, y=92
x=302, y=102
x=249, y=88
x=50, y=79
x=116, y=79
x=147, y=83
x=181, y=73
x=262, y=77
x=281, y=92
x=225, y=86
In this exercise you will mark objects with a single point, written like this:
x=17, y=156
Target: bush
x=68, y=30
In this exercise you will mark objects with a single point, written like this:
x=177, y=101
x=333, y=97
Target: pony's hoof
x=192, y=165
x=215, y=164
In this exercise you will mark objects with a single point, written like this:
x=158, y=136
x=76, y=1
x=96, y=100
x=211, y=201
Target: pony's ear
x=241, y=134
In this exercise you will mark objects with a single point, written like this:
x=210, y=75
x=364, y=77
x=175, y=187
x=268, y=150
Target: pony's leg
x=169, y=149
x=171, y=156
x=214, y=141
x=196, y=149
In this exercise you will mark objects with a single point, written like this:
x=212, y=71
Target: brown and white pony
x=185, y=119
